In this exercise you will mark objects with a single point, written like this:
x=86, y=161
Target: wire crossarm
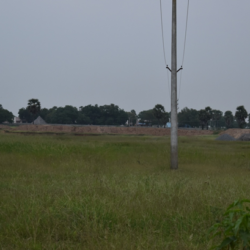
x=168, y=68
x=179, y=69
x=176, y=71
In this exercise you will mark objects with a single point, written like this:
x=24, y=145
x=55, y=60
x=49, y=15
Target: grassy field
x=116, y=192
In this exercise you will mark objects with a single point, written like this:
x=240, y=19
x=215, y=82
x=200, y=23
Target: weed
x=234, y=229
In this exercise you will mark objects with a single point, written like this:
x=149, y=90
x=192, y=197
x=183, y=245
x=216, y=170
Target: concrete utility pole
x=174, y=122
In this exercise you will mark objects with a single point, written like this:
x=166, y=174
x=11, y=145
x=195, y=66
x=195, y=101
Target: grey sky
x=108, y=51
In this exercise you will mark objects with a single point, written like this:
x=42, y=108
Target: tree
x=83, y=119
x=5, y=115
x=93, y=113
x=44, y=112
x=216, y=117
x=188, y=118
x=132, y=117
x=205, y=116
x=34, y=107
x=48, y=115
x=165, y=118
x=159, y=112
x=147, y=117
x=241, y=115
x=229, y=119
x=63, y=115
x=25, y=115
x=104, y=115
x=113, y=115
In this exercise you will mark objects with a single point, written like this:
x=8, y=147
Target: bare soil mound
x=236, y=133
x=245, y=137
x=225, y=137
x=78, y=130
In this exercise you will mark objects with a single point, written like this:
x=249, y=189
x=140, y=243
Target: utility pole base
x=174, y=158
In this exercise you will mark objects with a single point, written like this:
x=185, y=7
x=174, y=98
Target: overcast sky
x=80, y=52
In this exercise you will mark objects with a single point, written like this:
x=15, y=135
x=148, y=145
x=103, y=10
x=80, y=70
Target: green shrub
x=234, y=229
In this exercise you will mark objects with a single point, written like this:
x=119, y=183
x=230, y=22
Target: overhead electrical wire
x=162, y=35
x=163, y=46
x=184, y=49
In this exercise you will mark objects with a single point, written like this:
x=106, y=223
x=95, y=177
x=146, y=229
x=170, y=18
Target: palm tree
x=241, y=115
x=34, y=107
x=205, y=116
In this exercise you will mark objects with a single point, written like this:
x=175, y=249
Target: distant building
x=17, y=120
x=39, y=121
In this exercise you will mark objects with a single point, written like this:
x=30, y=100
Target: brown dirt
x=236, y=132
x=81, y=130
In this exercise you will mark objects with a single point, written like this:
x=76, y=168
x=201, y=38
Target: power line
x=169, y=85
x=180, y=86
x=162, y=34
x=184, y=49
x=163, y=46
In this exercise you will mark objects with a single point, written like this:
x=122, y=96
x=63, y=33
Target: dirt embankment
x=103, y=130
x=236, y=133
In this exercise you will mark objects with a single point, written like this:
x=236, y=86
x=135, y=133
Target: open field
x=116, y=192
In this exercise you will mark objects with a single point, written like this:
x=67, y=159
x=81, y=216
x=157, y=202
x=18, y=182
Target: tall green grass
x=116, y=192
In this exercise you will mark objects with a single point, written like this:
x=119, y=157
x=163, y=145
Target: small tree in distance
x=216, y=116
x=165, y=119
x=229, y=118
x=132, y=117
x=241, y=115
x=159, y=112
x=205, y=116
x=188, y=118
x=34, y=107
x=5, y=115
x=147, y=117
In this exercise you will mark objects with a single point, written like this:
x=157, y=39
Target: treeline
x=113, y=115
x=95, y=115
x=192, y=118
x=213, y=118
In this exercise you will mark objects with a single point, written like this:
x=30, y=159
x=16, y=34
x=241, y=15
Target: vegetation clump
x=234, y=228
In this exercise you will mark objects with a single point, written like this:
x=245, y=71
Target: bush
x=234, y=229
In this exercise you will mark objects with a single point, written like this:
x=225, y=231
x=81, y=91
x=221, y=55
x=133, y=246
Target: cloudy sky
x=80, y=52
